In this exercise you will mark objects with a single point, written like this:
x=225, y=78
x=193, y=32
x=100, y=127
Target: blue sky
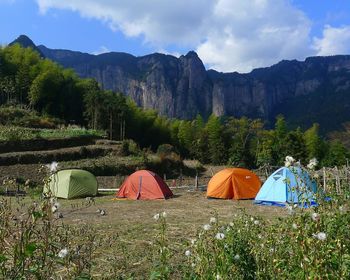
x=228, y=35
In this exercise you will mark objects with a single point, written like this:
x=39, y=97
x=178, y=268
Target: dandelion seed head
x=188, y=253
x=321, y=236
x=54, y=209
x=53, y=166
x=236, y=257
x=315, y=217
x=156, y=217
x=207, y=227
x=63, y=253
x=220, y=236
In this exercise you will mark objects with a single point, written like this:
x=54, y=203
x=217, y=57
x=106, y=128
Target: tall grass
x=16, y=133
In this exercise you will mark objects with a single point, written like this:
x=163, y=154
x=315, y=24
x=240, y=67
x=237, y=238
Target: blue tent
x=292, y=185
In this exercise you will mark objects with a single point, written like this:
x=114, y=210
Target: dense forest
x=52, y=95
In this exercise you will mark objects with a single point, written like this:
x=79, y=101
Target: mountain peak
x=25, y=42
x=191, y=54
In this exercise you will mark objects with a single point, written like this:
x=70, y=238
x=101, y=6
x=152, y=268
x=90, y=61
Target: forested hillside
x=33, y=87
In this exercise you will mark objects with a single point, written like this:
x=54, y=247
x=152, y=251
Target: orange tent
x=234, y=183
x=144, y=184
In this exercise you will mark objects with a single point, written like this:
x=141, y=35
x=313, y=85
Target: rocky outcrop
x=181, y=87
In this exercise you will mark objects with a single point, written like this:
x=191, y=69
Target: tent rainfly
x=233, y=183
x=144, y=184
x=72, y=183
x=291, y=185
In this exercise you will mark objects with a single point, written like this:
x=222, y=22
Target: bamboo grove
x=34, y=84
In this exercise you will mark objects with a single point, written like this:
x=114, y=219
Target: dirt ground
x=135, y=230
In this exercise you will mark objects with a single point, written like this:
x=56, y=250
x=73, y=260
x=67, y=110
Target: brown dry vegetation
x=128, y=230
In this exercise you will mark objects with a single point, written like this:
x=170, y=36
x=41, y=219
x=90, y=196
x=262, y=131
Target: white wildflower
x=290, y=209
x=188, y=253
x=252, y=219
x=236, y=257
x=312, y=164
x=218, y=277
x=156, y=217
x=320, y=236
x=164, y=214
x=207, y=227
x=289, y=161
x=220, y=236
x=54, y=209
x=256, y=222
x=294, y=226
x=315, y=217
x=53, y=200
x=212, y=220
x=63, y=253
x=52, y=167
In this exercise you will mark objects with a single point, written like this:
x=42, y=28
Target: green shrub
x=17, y=116
x=130, y=147
x=165, y=150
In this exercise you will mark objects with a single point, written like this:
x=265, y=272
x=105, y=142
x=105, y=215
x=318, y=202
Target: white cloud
x=228, y=35
x=101, y=50
x=160, y=22
x=334, y=41
x=250, y=34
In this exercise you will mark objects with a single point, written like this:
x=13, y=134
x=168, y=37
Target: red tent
x=144, y=184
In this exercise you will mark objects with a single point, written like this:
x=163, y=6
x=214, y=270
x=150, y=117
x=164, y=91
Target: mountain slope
x=304, y=91
x=26, y=42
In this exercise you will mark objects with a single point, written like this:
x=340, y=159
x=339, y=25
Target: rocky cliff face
x=181, y=87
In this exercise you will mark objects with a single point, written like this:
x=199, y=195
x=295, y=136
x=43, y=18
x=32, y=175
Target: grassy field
x=11, y=133
x=128, y=231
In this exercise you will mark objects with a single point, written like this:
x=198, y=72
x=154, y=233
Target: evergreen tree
x=216, y=148
x=295, y=145
x=337, y=155
x=313, y=142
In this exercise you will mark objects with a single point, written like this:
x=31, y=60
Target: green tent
x=72, y=183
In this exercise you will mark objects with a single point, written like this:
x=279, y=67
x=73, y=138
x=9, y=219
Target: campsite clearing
x=128, y=231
